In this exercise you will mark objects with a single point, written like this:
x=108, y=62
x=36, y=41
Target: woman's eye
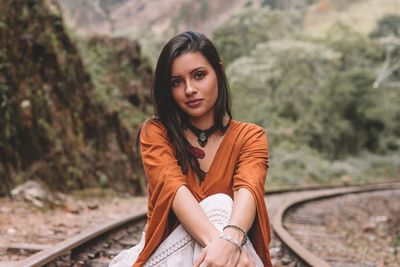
x=175, y=82
x=199, y=75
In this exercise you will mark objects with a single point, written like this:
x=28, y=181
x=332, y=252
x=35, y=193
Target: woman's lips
x=194, y=102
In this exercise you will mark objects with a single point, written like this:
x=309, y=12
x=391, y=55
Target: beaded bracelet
x=231, y=239
x=238, y=229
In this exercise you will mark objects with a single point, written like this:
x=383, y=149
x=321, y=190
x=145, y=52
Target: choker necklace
x=202, y=136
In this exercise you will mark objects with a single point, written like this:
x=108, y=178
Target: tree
x=344, y=118
x=389, y=25
x=240, y=34
x=277, y=81
x=387, y=31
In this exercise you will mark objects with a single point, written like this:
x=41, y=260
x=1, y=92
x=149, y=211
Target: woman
x=197, y=159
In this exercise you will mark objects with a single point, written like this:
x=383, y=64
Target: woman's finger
x=200, y=259
x=244, y=260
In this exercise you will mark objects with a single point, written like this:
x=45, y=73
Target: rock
x=92, y=206
x=275, y=251
x=128, y=242
x=106, y=245
x=99, y=263
x=275, y=262
x=33, y=192
x=93, y=255
x=81, y=264
x=346, y=179
x=369, y=227
x=11, y=231
x=5, y=209
x=379, y=219
x=286, y=260
x=72, y=207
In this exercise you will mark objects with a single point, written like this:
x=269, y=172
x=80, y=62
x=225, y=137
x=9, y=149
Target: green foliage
x=288, y=4
x=191, y=14
x=270, y=3
x=120, y=74
x=290, y=167
x=387, y=26
x=396, y=245
x=356, y=49
x=275, y=84
x=315, y=97
x=241, y=33
x=6, y=112
x=340, y=121
x=54, y=125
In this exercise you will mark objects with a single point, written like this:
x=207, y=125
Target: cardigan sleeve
x=164, y=177
x=252, y=164
x=250, y=173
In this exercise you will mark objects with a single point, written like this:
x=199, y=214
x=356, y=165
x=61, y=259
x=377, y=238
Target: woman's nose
x=189, y=89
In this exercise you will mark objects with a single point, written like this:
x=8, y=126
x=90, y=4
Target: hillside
x=361, y=15
x=54, y=123
x=159, y=16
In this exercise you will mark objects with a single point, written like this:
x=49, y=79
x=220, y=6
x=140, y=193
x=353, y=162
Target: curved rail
x=45, y=256
x=302, y=253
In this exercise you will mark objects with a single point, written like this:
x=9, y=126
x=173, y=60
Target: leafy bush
x=240, y=34
x=388, y=25
x=316, y=99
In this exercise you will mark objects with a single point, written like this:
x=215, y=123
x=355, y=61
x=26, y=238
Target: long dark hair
x=167, y=111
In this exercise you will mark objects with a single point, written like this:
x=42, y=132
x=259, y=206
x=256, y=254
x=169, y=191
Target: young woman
x=205, y=171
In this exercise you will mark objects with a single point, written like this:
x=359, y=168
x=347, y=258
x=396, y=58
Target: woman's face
x=194, y=87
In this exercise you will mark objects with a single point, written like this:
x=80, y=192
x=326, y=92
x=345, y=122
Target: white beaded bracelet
x=232, y=240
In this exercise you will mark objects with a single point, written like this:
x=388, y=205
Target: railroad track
x=92, y=247
x=310, y=224
x=96, y=246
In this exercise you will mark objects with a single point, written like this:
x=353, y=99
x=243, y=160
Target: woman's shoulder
x=247, y=127
x=249, y=134
x=152, y=127
x=152, y=123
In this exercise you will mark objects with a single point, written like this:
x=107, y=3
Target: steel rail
x=45, y=256
x=301, y=252
x=316, y=187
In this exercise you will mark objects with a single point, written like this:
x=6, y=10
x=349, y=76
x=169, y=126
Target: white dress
x=179, y=249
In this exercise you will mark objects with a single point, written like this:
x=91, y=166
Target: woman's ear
x=222, y=66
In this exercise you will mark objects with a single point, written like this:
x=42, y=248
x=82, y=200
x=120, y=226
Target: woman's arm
x=192, y=217
x=195, y=221
x=243, y=213
x=217, y=252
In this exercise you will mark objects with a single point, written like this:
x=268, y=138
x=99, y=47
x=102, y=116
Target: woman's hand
x=245, y=260
x=219, y=253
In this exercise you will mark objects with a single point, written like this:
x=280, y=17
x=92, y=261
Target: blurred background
x=322, y=77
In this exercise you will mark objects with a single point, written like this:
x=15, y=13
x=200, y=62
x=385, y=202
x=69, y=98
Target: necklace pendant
x=202, y=139
x=197, y=152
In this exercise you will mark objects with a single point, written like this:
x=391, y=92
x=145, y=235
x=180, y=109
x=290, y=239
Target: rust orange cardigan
x=241, y=161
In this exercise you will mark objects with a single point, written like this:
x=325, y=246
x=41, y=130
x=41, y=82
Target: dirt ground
x=26, y=224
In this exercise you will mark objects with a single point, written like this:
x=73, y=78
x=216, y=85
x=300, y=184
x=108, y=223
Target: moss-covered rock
x=52, y=125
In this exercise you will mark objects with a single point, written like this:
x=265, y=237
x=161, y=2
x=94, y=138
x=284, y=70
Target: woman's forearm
x=243, y=212
x=192, y=217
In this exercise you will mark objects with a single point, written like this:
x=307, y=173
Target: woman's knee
x=219, y=199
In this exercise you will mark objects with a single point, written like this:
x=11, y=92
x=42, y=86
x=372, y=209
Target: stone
x=11, y=231
x=72, y=207
x=33, y=192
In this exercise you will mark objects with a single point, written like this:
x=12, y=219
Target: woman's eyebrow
x=194, y=70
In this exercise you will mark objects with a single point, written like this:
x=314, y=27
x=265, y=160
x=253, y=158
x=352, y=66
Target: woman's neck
x=202, y=124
